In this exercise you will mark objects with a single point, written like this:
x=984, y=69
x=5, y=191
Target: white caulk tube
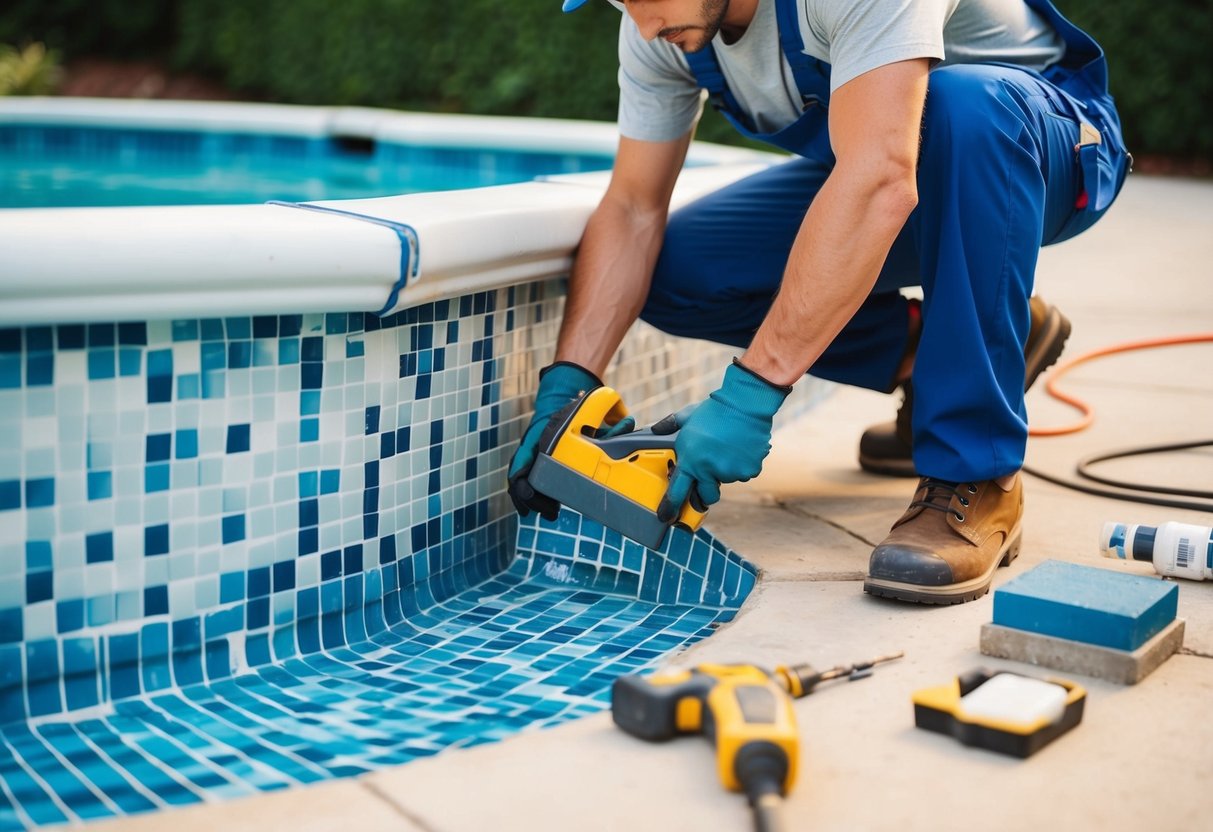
x=1180, y=550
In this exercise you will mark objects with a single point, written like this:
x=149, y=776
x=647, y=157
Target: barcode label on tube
x=1186, y=550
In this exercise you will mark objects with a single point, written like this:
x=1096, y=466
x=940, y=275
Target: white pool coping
x=60, y=265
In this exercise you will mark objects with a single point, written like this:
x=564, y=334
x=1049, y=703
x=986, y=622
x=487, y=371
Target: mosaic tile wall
x=246, y=553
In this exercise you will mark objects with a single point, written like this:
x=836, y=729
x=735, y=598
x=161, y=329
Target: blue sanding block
x=1086, y=604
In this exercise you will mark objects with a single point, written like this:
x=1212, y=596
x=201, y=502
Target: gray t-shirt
x=659, y=97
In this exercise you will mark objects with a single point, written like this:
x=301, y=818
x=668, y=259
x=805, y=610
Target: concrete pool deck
x=1140, y=758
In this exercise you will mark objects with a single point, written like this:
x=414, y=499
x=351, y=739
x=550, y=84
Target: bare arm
x=875, y=121
x=618, y=251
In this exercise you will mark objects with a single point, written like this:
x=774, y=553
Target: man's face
x=688, y=24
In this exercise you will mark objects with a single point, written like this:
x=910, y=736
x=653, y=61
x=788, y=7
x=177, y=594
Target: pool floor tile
x=517, y=651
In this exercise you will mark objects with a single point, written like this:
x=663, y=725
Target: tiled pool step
x=533, y=646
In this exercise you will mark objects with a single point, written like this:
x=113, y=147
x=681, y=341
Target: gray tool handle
x=619, y=447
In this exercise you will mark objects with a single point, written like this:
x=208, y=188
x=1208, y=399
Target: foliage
x=524, y=57
x=1160, y=67
x=30, y=71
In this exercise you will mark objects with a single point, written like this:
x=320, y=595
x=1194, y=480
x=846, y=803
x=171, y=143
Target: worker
x=938, y=144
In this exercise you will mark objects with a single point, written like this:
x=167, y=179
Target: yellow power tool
x=617, y=480
x=744, y=710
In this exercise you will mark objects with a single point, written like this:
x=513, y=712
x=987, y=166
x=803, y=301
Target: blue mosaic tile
x=275, y=557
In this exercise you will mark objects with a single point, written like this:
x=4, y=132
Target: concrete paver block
x=1123, y=666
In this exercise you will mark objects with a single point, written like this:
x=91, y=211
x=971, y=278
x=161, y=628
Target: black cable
x=1151, y=449
x=1138, y=496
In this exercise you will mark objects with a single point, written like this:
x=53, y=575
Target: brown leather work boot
x=887, y=448
x=945, y=548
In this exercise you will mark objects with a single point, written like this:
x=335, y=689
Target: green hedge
x=490, y=56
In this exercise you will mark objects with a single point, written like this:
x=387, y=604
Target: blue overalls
x=1001, y=173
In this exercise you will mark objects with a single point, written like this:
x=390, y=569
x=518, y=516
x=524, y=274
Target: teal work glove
x=722, y=439
x=559, y=384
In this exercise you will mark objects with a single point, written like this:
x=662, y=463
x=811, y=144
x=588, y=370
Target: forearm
x=835, y=260
x=609, y=283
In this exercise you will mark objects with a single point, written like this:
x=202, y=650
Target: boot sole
x=1043, y=354
x=957, y=593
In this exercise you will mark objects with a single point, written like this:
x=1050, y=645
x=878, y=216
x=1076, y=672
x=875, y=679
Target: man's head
x=688, y=24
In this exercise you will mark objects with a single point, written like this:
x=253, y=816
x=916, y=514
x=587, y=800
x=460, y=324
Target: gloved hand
x=722, y=439
x=559, y=384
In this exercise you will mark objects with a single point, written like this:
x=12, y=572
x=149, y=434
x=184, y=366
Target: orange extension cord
x=1088, y=414
x=1132, y=492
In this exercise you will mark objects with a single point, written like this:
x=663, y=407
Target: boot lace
x=940, y=493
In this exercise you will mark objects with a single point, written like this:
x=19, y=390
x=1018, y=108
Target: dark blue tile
x=265, y=326
x=330, y=566
x=99, y=547
x=237, y=438
x=211, y=329
x=39, y=493
x=258, y=613
x=259, y=582
x=10, y=340
x=39, y=586
x=312, y=349
x=309, y=541
x=159, y=389
x=309, y=512
x=39, y=369
x=69, y=615
x=155, y=540
x=233, y=528
x=290, y=325
x=159, y=447
x=155, y=600
x=239, y=328
x=71, y=336
x=311, y=375
x=239, y=354
x=10, y=494
x=284, y=575
x=12, y=625
x=133, y=334
x=102, y=335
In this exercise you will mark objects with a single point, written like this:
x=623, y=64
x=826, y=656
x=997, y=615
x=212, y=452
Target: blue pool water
x=55, y=166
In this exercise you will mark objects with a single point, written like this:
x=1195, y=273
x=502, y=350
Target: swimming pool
x=45, y=164
x=253, y=532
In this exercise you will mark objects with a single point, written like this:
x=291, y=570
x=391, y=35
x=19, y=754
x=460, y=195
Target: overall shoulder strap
x=812, y=75
x=705, y=66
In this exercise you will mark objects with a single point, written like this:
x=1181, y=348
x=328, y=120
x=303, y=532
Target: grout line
x=831, y=523
x=820, y=577
x=380, y=795
x=1188, y=651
